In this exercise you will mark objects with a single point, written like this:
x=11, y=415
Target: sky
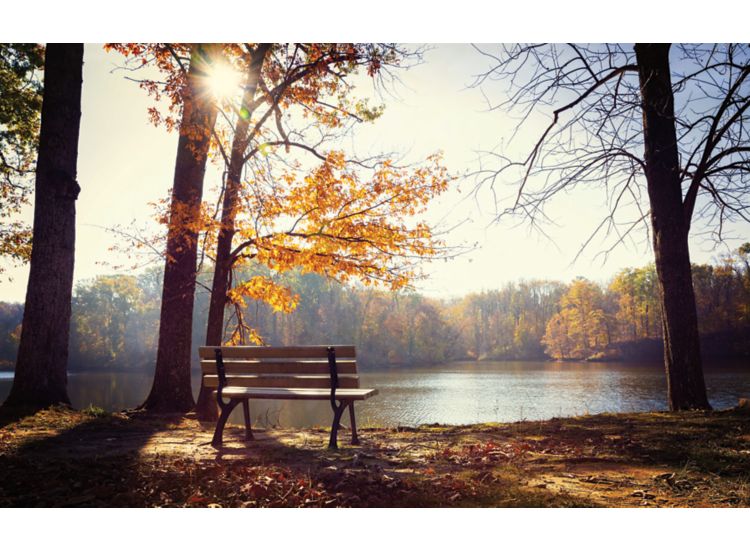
x=125, y=163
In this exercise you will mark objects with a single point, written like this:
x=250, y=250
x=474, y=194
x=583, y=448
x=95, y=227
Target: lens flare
x=224, y=82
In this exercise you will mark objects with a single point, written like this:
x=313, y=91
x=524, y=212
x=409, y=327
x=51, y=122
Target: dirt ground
x=60, y=457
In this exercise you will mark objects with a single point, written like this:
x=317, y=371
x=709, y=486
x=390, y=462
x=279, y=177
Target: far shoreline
x=708, y=363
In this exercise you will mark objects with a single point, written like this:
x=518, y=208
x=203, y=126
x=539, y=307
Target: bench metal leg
x=353, y=422
x=248, y=428
x=338, y=411
x=225, y=412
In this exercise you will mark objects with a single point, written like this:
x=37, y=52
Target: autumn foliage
x=580, y=327
x=292, y=197
x=20, y=107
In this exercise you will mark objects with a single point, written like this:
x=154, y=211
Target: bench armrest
x=221, y=371
x=334, y=374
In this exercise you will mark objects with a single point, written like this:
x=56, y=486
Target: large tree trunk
x=206, y=407
x=685, y=385
x=171, y=390
x=41, y=377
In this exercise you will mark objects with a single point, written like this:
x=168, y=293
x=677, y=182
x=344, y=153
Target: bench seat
x=281, y=381
x=297, y=393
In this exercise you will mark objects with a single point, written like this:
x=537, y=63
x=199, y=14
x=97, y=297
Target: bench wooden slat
x=298, y=393
x=286, y=352
x=233, y=366
x=272, y=381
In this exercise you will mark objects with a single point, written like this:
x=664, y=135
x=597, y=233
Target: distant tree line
x=584, y=320
x=116, y=317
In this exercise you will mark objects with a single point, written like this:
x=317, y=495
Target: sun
x=223, y=82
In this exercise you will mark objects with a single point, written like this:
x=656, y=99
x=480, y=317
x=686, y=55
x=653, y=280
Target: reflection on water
x=457, y=393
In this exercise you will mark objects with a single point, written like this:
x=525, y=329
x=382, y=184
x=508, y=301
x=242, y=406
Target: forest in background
x=115, y=319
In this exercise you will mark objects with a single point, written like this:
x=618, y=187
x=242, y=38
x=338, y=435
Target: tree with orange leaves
x=192, y=105
x=339, y=216
x=303, y=83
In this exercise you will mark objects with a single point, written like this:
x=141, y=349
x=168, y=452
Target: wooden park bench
x=241, y=373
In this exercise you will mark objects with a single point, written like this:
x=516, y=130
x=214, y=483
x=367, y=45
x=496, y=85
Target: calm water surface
x=456, y=393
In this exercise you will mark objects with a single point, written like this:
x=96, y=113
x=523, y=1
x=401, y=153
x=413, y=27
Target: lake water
x=456, y=393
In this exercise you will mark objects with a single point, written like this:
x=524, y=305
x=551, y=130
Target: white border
x=455, y=529
x=383, y=20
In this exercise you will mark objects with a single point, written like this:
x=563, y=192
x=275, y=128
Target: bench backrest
x=279, y=367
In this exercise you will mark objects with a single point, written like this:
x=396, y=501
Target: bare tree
x=630, y=120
